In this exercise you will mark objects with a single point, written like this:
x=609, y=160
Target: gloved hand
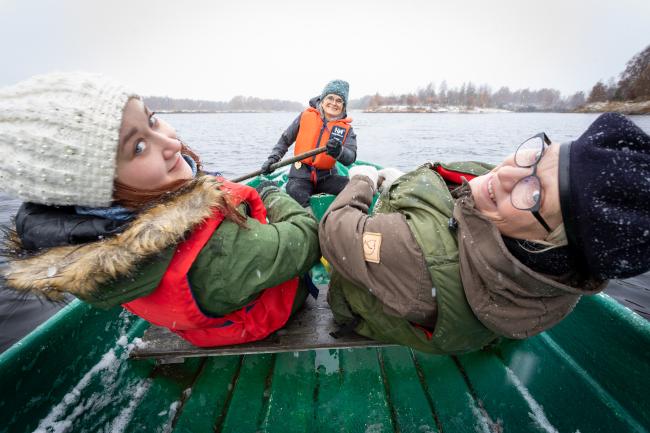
x=365, y=170
x=266, y=187
x=334, y=147
x=266, y=167
x=387, y=176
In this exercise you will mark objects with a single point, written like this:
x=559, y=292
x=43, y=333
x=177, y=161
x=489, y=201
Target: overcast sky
x=290, y=49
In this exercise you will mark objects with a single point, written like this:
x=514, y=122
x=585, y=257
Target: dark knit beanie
x=604, y=180
x=539, y=257
x=337, y=87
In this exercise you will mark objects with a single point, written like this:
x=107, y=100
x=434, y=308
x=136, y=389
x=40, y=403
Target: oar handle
x=282, y=163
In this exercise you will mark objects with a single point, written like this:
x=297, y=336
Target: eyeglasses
x=334, y=100
x=527, y=192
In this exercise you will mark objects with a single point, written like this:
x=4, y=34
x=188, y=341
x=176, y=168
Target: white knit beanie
x=58, y=138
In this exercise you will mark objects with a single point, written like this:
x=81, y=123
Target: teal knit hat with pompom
x=337, y=87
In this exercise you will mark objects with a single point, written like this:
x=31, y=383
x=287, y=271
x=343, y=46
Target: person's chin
x=183, y=171
x=186, y=171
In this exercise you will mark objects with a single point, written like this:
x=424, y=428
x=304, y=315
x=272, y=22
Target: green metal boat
x=88, y=370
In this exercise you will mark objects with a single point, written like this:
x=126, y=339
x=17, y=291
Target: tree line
x=470, y=95
x=633, y=85
x=238, y=103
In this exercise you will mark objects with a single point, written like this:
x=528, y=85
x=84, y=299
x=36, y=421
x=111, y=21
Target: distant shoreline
x=219, y=111
x=428, y=109
x=625, y=107
x=629, y=108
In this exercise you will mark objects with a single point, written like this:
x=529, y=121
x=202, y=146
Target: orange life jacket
x=172, y=305
x=314, y=133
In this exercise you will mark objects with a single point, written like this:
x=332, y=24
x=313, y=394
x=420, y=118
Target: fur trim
x=80, y=269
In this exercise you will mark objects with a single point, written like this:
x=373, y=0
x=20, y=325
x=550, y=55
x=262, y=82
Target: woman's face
x=332, y=105
x=148, y=155
x=492, y=193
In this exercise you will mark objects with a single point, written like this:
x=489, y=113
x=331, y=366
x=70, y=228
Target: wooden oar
x=282, y=163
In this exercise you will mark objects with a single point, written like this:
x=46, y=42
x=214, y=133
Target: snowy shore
x=625, y=107
x=429, y=109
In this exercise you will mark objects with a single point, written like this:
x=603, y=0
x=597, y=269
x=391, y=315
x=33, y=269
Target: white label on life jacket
x=338, y=133
x=371, y=247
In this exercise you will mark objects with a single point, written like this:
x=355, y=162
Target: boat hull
x=591, y=373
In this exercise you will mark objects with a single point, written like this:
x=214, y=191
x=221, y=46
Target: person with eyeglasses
x=323, y=124
x=457, y=255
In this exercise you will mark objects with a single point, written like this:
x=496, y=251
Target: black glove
x=266, y=167
x=334, y=147
x=266, y=184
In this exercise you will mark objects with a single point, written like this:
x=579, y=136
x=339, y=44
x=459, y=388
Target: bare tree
x=635, y=79
x=470, y=95
x=576, y=100
x=442, y=93
x=502, y=97
x=598, y=93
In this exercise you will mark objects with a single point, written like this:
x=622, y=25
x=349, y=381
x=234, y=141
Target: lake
x=238, y=143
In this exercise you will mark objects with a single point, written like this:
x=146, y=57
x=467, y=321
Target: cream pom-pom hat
x=59, y=137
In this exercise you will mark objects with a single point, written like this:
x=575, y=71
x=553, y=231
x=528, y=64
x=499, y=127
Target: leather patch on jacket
x=371, y=247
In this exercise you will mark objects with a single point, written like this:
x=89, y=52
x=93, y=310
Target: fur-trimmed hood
x=81, y=269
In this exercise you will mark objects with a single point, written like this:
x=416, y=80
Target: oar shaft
x=282, y=163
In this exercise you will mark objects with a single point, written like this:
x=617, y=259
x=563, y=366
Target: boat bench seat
x=308, y=329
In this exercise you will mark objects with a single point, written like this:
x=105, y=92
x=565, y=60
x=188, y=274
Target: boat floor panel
x=308, y=329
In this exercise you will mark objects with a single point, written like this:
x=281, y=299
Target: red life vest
x=172, y=305
x=313, y=133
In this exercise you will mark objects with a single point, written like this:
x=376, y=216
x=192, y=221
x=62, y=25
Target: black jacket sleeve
x=40, y=226
x=287, y=138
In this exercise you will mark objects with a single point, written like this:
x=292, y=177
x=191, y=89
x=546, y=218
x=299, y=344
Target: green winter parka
x=423, y=198
x=236, y=264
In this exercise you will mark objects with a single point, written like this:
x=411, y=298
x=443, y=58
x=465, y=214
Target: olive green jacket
x=418, y=248
x=236, y=264
x=378, y=261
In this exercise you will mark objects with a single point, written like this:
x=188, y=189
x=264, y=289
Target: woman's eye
x=139, y=147
x=153, y=120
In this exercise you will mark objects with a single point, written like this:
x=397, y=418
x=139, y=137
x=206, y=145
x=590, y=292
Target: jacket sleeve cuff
x=347, y=156
x=268, y=190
